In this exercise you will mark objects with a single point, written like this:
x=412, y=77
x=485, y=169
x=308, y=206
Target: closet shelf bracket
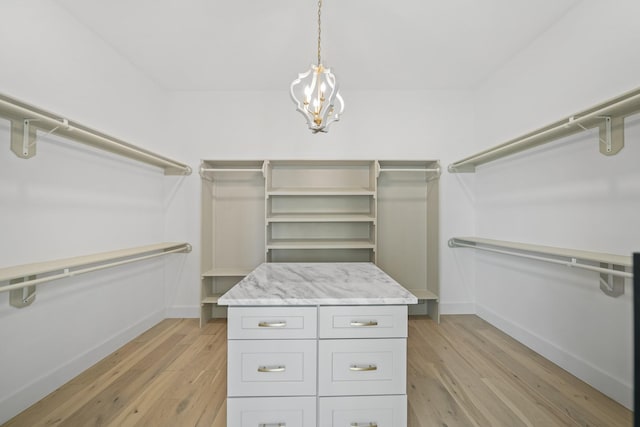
x=22, y=297
x=23, y=138
x=611, y=135
x=610, y=284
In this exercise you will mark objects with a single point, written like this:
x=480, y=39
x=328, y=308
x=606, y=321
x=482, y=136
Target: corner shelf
x=26, y=120
x=608, y=117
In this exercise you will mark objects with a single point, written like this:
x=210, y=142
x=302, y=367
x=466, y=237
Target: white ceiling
x=370, y=44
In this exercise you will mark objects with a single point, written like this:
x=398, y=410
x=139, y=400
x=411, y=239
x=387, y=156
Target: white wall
x=70, y=200
x=565, y=194
x=73, y=200
x=375, y=125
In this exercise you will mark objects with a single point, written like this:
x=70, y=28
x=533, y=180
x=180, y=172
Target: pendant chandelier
x=315, y=93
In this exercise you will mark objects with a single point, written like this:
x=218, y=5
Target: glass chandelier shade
x=316, y=94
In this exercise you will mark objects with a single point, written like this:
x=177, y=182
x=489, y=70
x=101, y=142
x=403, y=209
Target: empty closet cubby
x=232, y=227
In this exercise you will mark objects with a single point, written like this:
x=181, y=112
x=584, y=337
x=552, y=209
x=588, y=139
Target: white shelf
x=212, y=299
x=321, y=244
x=23, y=277
x=424, y=294
x=312, y=191
x=227, y=272
x=316, y=217
x=606, y=258
x=612, y=268
x=47, y=267
x=608, y=116
x=27, y=119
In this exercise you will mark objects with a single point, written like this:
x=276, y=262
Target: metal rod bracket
x=22, y=297
x=611, y=135
x=610, y=284
x=23, y=138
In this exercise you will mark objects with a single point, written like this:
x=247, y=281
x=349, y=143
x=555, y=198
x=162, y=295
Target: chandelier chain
x=319, y=30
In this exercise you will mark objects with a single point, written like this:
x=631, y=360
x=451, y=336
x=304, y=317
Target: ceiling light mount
x=315, y=92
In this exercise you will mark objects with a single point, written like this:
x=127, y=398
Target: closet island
x=317, y=344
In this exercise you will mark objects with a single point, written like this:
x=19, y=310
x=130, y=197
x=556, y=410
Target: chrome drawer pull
x=364, y=323
x=272, y=324
x=274, y=425
x=364, y=424
x=271, y=368
x=363, y=368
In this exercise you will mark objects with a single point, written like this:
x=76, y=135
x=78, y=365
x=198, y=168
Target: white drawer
x=271, y=322
x=362, y=367
x=271, y=412
x=378, y=321
x=380, y=411
x=271, y=368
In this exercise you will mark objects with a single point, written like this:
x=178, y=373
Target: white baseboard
x=29, y=394
x=457, y=308
x=592, y=375
x=182, y=312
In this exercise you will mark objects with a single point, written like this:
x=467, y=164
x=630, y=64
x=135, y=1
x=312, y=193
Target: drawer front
x=271, y=412
x=378, y=321
x=362, y=367
x=271, y=368
x=271, y=322
x=369, y=411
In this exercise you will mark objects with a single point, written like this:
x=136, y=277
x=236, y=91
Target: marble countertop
x=348, y=283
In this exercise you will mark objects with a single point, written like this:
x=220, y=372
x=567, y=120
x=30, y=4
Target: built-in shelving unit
x=26, y=120
x=613, y=269
x=608, y=117
x=22, y=279
x=320, y=211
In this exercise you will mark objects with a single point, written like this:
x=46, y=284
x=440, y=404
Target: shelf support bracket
x=610, y=284
x=611, y=135
x=22, y=297
x=23, y=138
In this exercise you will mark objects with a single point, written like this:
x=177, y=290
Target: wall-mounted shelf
x=24, y=278
x=607, y=116
x=613, y=269
x=26, y=120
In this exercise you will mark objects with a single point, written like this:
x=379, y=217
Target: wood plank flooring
x=463, y=372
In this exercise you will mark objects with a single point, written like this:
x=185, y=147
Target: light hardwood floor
x=463, y=372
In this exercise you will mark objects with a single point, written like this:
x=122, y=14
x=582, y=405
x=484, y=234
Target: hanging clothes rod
x=608, y=116
x=25, y=276
x=610, y=265
x=27, y=119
